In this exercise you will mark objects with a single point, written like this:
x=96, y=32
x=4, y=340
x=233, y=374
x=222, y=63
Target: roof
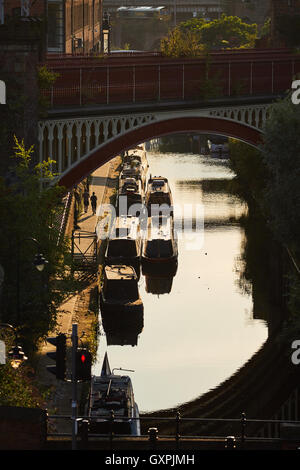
x=125, y=227
x=117, y=272
x=160, y=227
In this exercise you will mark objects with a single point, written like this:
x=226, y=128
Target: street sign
x=2, y=352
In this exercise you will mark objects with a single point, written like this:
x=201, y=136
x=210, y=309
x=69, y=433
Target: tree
x=228, y=32
x=30, y=212
x=179, y=43
x=281, y=157
x=193, y=37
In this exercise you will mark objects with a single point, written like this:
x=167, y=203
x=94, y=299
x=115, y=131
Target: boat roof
x=125, y=227
x=160, y=227
x=118, y=272
x=158, y=183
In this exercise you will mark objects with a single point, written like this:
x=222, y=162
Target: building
x=73, y=26
x=285, y=22
x=251, y=11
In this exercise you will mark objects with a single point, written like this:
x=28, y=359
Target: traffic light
x=59, y=356
x=83, y=364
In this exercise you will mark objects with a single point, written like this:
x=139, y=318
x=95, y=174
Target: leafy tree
x=30, y=211
x=193, y=37
x=228, y=32
x=179, y=43
x=17, y=388
x=281, y=157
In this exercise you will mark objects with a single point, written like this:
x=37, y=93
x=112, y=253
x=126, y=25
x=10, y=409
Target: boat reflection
x=159, y=284
x=120, y=330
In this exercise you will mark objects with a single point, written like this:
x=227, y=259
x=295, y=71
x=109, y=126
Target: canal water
x=198, y=327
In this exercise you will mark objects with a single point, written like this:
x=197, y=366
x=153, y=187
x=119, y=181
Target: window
x=55, y=26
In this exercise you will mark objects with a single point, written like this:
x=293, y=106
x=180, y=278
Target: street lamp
x=16, y=354
x=106, y=34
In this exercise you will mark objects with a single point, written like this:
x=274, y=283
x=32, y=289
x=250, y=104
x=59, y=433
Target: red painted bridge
x=99, y=107
x=150, y=77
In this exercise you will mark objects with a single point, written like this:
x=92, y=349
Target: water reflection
x=202, y=330
x=158, y=284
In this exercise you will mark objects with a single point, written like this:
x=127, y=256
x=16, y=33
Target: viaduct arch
x=240, y=124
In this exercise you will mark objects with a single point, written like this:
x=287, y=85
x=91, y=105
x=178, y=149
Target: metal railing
x=239, y=425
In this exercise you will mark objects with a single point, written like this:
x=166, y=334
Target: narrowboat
x=132, y=188
x=160, y=250
x=119, y=293
x=112, y=393
x=124, y=246
x=158, y=193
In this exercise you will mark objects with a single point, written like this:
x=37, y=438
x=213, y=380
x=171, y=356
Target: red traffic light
x=83, y=364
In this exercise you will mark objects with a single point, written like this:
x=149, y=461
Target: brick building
x=285, y=21
x=253, y=11
x=72, y=25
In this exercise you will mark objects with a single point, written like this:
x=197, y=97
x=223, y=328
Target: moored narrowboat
x=109, y=393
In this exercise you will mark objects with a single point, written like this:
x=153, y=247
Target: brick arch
x=102, y=155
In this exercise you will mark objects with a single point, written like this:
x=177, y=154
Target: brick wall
x=11, y=7
x=19, y=56
x=22, y=428
x=83, y=19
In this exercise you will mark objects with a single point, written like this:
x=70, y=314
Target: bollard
x=243, y=433
x=111, y=428
x=230, y=443
x=84, y=433
x=177, y=429
x=153, y=433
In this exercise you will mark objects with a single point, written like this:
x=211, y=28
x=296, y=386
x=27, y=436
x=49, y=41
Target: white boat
x=218, y=149
x=160, y=249
x=113, y=393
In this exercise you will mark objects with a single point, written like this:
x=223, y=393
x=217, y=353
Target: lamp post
x=105, y=43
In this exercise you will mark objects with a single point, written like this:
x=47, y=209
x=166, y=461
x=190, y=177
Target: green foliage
x=281, y=156
x=228, y=32
x=193, y=37
x=266, y=28
x=30, y=212
x=247, y=163
x=18, y=389
x=180, y=43
x=46, y=79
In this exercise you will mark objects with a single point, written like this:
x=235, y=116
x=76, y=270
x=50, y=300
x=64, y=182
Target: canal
x=199, y=327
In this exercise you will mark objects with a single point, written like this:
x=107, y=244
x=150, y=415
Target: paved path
x=75, y=308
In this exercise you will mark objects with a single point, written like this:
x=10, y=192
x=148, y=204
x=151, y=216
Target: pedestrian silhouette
x=94, y=203
x=86, y=200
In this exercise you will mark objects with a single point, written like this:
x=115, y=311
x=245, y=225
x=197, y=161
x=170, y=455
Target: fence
x=87, y=81
x=240, y=429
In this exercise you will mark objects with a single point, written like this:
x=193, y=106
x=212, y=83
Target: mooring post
x=243, y=430
x=177, y=429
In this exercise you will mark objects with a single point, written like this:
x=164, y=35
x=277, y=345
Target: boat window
x=122, y=248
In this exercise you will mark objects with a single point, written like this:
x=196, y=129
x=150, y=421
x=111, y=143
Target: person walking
x=86, y=200
x=94, y=202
